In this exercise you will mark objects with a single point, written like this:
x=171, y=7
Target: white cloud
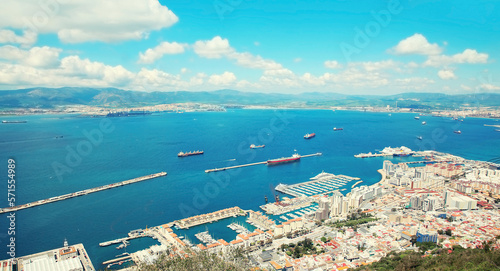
x=297, y=60
x=311, y=79
x=378, y=65
x=43, y=57
x=446, y=74
x=412, y=84
x=489, y=87
x=27, y=39
x=224, y=79
x=36, y=57
x=412, y=65
x=157, y=79
x=332, y=64
x=254, y=62
x=214, y=48
x=469, y=56
x=416, y=44
x=184, y=70
x=218, y=47
x=10, y=52
x=79, y=21
x=153, y=54
x=73, y=66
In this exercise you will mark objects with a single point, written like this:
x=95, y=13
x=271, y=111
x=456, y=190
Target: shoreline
x=98, y=111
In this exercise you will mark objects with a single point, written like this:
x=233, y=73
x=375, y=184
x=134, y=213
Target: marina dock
x=320, y=184
x=81, y=193
x=356, y=184
x=117, y=260
x=254, y=164
x=209, y=218
x=369, y=155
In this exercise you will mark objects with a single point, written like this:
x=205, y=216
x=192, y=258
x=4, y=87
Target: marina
x=238, y=228
x=254, y=164
x=81, y=193
x=205, y=237
x=320, y=184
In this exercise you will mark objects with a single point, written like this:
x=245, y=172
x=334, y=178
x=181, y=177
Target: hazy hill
x=52, y=97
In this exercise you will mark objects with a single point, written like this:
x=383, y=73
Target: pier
x=209, y=218
x=81, y=193
x=356, y=184
x=369, y=155
x=117, y=260
x=254, y=164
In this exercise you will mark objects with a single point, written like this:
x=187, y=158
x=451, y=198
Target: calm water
x=138, y=146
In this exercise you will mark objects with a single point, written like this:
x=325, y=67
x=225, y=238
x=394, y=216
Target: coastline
x=91, y=111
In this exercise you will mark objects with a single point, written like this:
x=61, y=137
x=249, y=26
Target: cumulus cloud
x=446, y=74
x=214, y=48
x=218, y=47
x=416, y=44
x=79, y=21
x=489, y=87
x=469, y=56
x=113, y=75
x=378, y=65
x=332, y=64
x=224, y=79
x=37, y=56
x=27, y=39
x=153, y=54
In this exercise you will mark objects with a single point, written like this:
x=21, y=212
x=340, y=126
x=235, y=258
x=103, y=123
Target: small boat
x=424, y=123
x=308, y=136
x=419, y=137
x=417, y=117
x=253, y=146
x=498, y=130
x=457, y=132
x=337, y=129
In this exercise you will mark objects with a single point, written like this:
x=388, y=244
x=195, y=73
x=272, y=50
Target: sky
x=274, y=46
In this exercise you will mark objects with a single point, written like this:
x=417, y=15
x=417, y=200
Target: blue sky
x=343, y=46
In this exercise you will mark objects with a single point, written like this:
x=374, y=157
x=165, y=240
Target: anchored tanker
x=283, y=160
x=308, y=136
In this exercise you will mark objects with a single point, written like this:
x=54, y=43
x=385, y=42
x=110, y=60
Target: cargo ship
x=14, y=121
x=253, y=146
x=337, y=129
x=282, y=160
x=184, y=154
x=308, y=136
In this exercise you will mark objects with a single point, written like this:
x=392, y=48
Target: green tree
x=448, y=232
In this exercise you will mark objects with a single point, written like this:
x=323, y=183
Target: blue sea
x=59, y=154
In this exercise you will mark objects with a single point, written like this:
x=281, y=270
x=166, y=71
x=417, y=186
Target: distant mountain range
x=111, y=97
